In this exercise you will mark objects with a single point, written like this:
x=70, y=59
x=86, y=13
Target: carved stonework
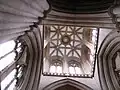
x=109, y=62
x=70, y=43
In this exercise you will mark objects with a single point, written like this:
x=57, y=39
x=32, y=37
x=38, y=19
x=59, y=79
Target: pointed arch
x=106, y=62
x=67, y=81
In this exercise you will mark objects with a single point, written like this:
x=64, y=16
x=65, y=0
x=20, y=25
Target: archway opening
x=67, y=84
x=67, y=87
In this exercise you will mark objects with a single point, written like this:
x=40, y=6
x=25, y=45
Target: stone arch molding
x=63, y=82
x=106, y=53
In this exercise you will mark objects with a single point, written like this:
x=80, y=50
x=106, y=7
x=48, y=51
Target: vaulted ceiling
x=21, y=21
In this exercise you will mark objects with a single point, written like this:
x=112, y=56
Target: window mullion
x=6, y=54
x=9, y=53
x=75, y=70
x=55, y=69
x=7, y=70
x=6, y=88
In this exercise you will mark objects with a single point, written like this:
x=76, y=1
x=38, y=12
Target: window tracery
x=56, y=66
x=10, y=54
x=74, y=67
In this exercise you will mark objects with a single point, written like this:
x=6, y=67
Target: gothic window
x=56, y=66
x=74, y=67
x=71, y=41
x=10, y=54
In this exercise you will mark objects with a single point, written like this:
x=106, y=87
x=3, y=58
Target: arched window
x=10, y=53
x=74, y=67
x=56, y=66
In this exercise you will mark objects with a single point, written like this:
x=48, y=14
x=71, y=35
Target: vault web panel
x=70, y=43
